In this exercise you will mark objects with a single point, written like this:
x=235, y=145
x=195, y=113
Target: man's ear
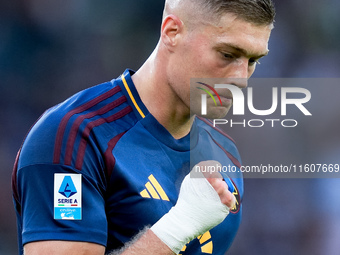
x=172, y=26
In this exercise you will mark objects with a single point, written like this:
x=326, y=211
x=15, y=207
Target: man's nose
x=239, y=74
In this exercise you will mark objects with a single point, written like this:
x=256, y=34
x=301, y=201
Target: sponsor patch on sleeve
x=67, y=196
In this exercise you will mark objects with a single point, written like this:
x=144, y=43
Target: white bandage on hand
x=197, y=210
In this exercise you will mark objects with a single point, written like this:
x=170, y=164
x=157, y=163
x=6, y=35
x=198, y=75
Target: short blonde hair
x=258, y=12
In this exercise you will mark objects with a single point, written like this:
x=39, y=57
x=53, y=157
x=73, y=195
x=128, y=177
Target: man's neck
x=160, y=100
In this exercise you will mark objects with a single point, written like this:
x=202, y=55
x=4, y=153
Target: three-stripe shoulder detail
x=78, y=115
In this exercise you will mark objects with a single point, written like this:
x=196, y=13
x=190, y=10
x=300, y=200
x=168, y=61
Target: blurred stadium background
x=52, y=49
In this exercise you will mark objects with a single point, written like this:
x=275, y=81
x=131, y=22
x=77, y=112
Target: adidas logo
x=154, y=190
x=205, y=241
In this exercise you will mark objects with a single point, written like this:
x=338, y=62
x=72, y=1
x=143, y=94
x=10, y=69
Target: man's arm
x=147, y=243
x=63, y=247
x=161, y=239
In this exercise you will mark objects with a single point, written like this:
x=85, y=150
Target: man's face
x=228, y=50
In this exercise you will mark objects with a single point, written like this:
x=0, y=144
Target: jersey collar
x=149, y=122
x=132, y=95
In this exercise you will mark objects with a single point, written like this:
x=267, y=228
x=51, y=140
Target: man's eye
x=253, y=62
x=227, y=56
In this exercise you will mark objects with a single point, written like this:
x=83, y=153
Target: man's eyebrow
x=243, y=52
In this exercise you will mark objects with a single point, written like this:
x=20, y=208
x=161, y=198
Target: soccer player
x=107, y=170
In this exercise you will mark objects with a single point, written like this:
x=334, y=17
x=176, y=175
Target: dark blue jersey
x=99, y=168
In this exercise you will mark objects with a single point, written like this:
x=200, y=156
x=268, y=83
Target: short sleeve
x=37, y=185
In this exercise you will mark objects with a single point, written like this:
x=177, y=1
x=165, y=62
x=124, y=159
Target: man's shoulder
x=87, y=99
x=64, y=128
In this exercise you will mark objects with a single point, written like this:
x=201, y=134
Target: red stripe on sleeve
x=66, y=118
x=88, y=129
x=75, y=127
